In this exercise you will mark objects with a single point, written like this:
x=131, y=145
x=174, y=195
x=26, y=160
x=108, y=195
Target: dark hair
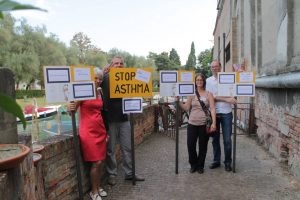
x=203, y=78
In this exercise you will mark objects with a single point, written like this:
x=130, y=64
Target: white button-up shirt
x=212, y=86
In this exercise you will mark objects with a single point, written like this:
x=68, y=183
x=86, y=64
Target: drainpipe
x=289, y=80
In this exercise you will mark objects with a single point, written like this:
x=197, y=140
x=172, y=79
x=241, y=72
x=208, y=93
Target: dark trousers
x=195, y=133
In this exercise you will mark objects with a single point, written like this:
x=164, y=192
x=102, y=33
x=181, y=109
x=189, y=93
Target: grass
x=41, y=102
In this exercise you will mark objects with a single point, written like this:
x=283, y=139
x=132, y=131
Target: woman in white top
x=196, y=129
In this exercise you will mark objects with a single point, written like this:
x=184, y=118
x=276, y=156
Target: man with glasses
x=224, y=118
x=119, y=128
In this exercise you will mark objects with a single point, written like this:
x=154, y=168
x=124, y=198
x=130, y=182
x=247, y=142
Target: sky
x=135, y=26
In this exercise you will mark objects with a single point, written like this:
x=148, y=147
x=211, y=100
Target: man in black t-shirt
x=119, y=128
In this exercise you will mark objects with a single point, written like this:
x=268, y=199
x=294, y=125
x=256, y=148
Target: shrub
x=29, y=93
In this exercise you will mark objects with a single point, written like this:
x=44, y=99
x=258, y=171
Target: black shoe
x=193, y=169
x=228, y=168
x=137, y=178
x=112, y=180
x=214, y=165
x=200, y=171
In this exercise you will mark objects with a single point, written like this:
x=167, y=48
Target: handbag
x=207, y=114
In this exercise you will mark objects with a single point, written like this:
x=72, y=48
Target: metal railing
x=167, y=119
x=245, y=119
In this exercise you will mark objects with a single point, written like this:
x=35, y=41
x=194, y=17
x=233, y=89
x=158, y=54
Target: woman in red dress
x=92, y=134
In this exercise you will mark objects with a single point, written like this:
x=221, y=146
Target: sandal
x=95, y=196
x=102, y=192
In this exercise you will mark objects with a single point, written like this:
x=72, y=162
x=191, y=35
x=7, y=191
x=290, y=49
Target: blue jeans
x=224, y=120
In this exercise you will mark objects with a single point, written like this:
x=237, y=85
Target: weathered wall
x=10, y=180
x=8, y=124
x=223, y=25
x=278, y=120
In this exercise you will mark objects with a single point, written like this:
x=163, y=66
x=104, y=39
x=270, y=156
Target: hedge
x=155, y=89
x=20, y=94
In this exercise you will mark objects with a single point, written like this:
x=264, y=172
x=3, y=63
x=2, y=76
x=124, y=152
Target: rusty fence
x=167, y=119
x=245, y=119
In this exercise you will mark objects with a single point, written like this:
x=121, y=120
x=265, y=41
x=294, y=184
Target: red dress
x=92, y=132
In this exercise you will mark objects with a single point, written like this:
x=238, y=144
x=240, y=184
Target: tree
x=7, y=103
x=204, y=59
x=96, y=59
x=191, y=62
x=174, y=57
x=83, y=43
x=6, y=37
x=161, y=60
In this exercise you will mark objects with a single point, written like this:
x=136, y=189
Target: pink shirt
x=197, y=116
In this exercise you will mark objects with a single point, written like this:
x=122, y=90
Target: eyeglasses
x=118, y=63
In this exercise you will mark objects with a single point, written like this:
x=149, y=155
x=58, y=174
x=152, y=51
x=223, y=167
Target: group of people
x=99, y=134
x=221, y=112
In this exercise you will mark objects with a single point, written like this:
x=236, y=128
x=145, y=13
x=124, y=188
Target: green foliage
x=162, y=61
x=191, y=62
x=7, y=5
x=20, y=94
x=155, y=89
x=204, y=59
x=96, y=59
x=83, y=43
x=9, y=105
x=174, y=57
x=71, y=56
x=130, y=60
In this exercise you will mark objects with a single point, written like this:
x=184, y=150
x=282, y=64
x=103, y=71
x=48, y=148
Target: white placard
x=58, y=74
x=168, y=76
x=132, y=105
x=143, y=75
x=60, y=88
x=226, y=78
x=226, y=90
x=168, y=89
x=186, y=89
x=83, y=90
x=82, y=74
x=186, y=76
x=246, y=77
x=245, y=90
x=59, y=92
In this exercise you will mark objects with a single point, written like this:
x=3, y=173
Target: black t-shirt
x=113, y=106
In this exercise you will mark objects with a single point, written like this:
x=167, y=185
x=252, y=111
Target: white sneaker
x=102, y=192
x=95, y=196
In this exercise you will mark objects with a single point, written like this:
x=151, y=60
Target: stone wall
x=8, y=124
x=55, y=177
x=10, y=181
x=278, y=121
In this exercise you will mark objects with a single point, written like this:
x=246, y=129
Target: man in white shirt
x=224, y=119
